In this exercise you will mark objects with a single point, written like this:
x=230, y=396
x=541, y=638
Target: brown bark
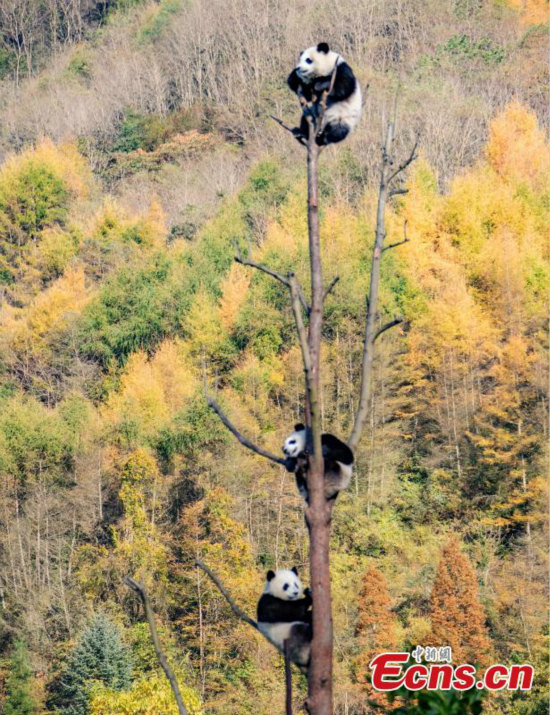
x=319, y=511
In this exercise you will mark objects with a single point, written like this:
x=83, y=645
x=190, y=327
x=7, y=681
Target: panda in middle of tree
x=284, y=613
x=312, y=76
x=338, y=459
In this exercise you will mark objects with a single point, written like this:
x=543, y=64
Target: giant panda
x=284, y=613
x=338, y=459
x=311, y=77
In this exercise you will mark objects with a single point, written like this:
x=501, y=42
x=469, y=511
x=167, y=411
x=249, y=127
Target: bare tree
x=309, y=319
x=387, y=188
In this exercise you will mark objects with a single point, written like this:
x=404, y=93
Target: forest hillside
x=137, y=157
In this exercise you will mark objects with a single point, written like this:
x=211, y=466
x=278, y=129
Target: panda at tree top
x=284, y=613
x=337, y=456
x=311, y=77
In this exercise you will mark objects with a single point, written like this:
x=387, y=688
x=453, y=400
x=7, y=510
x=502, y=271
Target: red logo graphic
x=389, y=674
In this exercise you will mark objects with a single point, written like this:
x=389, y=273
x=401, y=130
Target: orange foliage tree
x=375, y=628
x=457, y=615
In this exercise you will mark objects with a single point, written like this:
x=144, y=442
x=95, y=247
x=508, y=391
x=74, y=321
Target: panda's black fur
x=284, y=614
x=313, y=76
x=338, y=459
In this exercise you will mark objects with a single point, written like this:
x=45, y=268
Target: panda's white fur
x=338, y=462
x=313, y=75
x=284, y=613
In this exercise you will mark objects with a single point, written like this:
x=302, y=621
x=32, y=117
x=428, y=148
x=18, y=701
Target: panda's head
x=284, y=584
x=318, y=61
x=295, y=443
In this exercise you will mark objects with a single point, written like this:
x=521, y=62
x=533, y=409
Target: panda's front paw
x=307, y=592
x=290, y=464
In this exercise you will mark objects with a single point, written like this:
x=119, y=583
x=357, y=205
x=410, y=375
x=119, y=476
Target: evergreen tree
x=457, y=616
x=19, y=699
x=99, y=656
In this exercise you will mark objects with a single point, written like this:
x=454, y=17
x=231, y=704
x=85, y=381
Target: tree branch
x=140, y=590
x=301, y=330
x=406, y=239
x=288, y=678
x=412, y=156
x=387, y=326
x=387, y=175
x=330, y=286
x=237, y=610
x=280, y=122
x=270, y=272
x=264, y=269
x=397, y=192
x=243, y=440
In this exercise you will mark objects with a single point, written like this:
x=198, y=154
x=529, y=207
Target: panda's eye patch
x=285, y=587
x=309, y=61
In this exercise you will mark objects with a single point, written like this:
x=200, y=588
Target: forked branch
x=385, y=192
x=278, y=277
x=406, y=239
x=142, y=593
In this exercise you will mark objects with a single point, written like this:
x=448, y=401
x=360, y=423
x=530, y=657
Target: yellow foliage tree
x=517, y=148
x=150, y=695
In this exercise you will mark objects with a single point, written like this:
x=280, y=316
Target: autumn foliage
x=456, y=613
x=111, y=462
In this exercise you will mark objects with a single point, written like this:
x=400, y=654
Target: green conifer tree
x=19, y=700
x=99, y=656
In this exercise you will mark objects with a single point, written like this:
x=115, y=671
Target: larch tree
x=375, y=629
x=457, y=616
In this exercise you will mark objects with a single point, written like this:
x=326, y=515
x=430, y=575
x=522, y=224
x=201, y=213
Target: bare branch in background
x=385, y=191
x=288, y=679
x=330, y=287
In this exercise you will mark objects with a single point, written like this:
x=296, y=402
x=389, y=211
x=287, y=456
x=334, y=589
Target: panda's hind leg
x=300, y=639
x=332, y=134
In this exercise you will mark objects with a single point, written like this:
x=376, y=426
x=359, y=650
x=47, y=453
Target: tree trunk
x=318, y=512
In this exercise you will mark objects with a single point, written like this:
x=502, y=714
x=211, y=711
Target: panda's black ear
x=299, y=427
x=270, y=575
x=294, y=570
x=323, y=47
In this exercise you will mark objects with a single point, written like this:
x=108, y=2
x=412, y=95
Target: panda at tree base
x=338, y=459
x=311, y=77
x=284, y=613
